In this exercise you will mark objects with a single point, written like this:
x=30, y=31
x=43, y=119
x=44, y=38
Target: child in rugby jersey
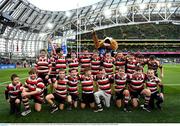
x=85, y=60
x=137, y=88
x=156, y=88
x=95, y=63
x=60, y=92
x=120, y=60
x=73, y=81
x=13, y=94
x=33, y=89
x=121, y=92
x=87, y=82
x=104, y=89
x=52, y=72
x=61, y=62
x=73, y=62
x=108, y=63
x=42, y=68
x=131, y=64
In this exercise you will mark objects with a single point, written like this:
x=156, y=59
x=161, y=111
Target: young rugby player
x=121, y=92
x=136, y=88
x=13, y=94
x=60, y=92
x=104, y=89
x=42, y=68
x=34, y=89
x=154, y=84
x=73, y=81
x=154, y=64
x=87, y=83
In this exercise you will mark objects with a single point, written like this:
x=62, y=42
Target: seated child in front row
x=33, y=89
x=13, y=94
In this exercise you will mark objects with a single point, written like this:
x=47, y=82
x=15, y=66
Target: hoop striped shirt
x=120, y=81
x=73, y=84
x=104, y=83
x=87, y=84
x=61, y=88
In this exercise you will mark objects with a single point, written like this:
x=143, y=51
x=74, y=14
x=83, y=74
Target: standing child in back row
x=42, y=68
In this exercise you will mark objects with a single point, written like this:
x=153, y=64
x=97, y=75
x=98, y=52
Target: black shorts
x=42, y=76
x=156, y=74
x=88, y=98
x=52, y=78
x=37, y=99
x=58, y=98
x=119, y=95
x=75, y=97
x=12, y=100
x=135, y=94
x=155, y=95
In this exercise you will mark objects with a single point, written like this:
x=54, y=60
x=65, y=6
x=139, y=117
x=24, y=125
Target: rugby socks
x=53, y=105
x=18, y=108
x=26, y=103
x=12, y=107
x=126, y=100
x=147, y=98
x=99, y=106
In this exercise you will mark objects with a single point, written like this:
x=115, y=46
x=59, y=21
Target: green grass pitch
x=170, y=112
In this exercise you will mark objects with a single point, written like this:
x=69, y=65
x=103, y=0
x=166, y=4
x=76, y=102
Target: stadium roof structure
x=26, y=25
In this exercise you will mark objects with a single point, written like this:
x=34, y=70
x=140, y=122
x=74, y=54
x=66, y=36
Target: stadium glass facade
x=25, y=28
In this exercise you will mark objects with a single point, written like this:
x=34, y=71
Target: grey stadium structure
x=25, y=28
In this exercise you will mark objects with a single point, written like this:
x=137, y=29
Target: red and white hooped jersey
x=136, y=81
x=87, y=83
x=73, y=63
x=52, y=65
x=61, y=63
x=121, y=62
x=131, y=66
x=95, y=65
x=73, y=82
x=104, y=83
x=13, y=91
x=108, y=65
x=42, y=65
x=120, y=81
x=152, y=83
x=85, y=61
x=61, y=89
x=33, y=85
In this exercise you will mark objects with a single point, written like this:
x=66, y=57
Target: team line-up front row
x=97, y=82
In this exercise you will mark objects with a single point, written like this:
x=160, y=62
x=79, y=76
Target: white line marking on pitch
x=10, y=81
x=172, y=84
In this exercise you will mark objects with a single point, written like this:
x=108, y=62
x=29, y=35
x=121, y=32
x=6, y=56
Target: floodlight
x=107, y=13
x=68, y=13
x=93, y=7
x=142, y=6
x=123, y=10
x=42, y=34
x=50, y=25
x=158, y=5
x=163, y=4
x=169, y=5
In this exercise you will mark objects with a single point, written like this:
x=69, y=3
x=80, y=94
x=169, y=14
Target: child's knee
x=17, y=101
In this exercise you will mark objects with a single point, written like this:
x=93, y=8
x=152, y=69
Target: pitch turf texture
x=170, y=112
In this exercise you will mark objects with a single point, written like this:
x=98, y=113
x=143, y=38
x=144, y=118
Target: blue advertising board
x=7, y=66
